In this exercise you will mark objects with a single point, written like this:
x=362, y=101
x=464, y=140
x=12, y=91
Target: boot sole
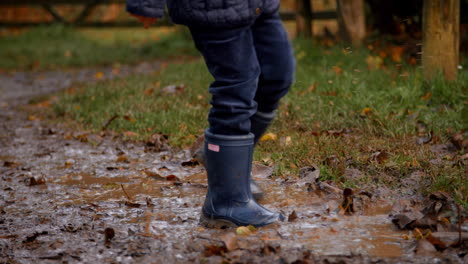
x=216, y=223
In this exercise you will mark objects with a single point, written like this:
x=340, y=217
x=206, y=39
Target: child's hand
x=147, y=21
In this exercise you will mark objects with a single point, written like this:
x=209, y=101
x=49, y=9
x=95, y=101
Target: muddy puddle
x=65, y=200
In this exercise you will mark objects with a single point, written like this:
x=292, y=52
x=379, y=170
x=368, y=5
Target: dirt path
x=76, y=197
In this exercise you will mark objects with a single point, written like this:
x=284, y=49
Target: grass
x=338, y=115
x=58, y=46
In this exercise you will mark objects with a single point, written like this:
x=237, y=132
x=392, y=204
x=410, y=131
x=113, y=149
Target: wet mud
x=69, y=196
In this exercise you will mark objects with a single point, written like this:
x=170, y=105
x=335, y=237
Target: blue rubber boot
x=229, y=201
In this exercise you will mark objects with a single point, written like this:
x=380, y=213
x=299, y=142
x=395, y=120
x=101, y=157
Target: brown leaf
x=172, y=178
x=458, y=140
x=347, y=203
x=214, y=250
x=425, y=247
x=427, y=96
x=404, y=220
x=156, y=143
x=309, y=174
x=230, y=240
x=260, y=171
x=190, y=163
x=132, y=204
x=123, y=159
x=447, y=239
x=10, y=164
x=379, y=157
x=39, y=181
x=109, y=234
x=149, y=91
x=129, y=119
x=337, y=70
x=292, y=216
x=153, y=175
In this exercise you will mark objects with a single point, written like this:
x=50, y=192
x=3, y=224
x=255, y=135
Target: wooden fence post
x=441, y=38
x=351, y=19
x=303, y=18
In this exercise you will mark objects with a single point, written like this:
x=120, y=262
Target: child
x=246, y=49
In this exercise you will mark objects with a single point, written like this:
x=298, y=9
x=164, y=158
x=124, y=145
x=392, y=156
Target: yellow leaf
x=99, y=75
x=366, y=111
x=252, y=228
x=243, y=231
x=268, y=136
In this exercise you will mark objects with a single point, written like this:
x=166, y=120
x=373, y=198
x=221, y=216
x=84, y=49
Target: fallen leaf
x=132, y=204
x=379, y=157
x=129, y=119
x=99, y=75
x=230, y=240
x=190, y=163
x=312, y=87
x=427, y=96
x=149, y=91
x=39, y=181
x=10, y=164
x=447, y=239
x=261, y=171
x=268, y=136
x=243, y=231
x=123, y=159
x=292, y=216
x=424, y=248
x=366, y=111
x=213, y=250
x=337, y=70
x=172, y=178
x=309, y=174
x=109, y=234
x=130, y=134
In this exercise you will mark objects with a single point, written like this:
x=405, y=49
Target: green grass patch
x=338, y=115
x=58, y=46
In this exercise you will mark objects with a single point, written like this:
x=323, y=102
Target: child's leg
x=230, y=57
x=276, y=59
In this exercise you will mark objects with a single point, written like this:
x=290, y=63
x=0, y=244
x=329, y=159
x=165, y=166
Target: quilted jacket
x=205, y=13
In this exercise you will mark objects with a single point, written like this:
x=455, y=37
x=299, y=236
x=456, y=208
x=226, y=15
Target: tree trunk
x=351, y=20
x=441, y=38
x=303, y=18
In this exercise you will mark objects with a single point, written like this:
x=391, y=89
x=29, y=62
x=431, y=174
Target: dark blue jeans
x=253, y=68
